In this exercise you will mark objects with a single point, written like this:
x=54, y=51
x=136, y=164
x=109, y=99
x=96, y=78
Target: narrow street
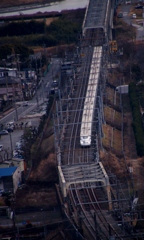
x=127, y=11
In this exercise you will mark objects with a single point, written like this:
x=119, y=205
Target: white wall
x=16, y=179
x=18, y=163
x=1, y=185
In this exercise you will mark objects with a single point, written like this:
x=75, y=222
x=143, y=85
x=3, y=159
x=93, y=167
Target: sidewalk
x=6, y=112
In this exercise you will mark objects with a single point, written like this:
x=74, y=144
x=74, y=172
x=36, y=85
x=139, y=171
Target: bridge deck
x=97, y=15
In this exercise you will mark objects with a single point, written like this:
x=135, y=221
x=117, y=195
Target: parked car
x=25, y=103
x=134, y=15
x=139, y=6
x=9, y=129
x=18, y=156
x=120, y=15
x=17, y=153
x=3, y=132
x=18, y=145
x=9, y=126
x=1, y=147
x=128, y=2
x=54, y=87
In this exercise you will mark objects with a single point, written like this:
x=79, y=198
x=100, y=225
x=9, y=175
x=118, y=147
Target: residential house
x=17, y=85
x=10, y=89
x=10, y=178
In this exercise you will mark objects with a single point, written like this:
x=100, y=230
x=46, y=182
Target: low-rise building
x=10, y=178
x=10, y=89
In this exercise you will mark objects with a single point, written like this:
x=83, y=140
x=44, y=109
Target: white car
x=25, y=103
x=128, y=2
x=3, y=132
x=133, y=15
x=9, y=126
x=18, y=145
x=15, y=153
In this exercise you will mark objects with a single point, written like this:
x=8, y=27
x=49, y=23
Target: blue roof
x=4, y=172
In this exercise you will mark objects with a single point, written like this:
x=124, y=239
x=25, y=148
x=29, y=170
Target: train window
x=84, y=137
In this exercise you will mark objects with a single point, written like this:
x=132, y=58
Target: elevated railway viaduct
x=85, y=186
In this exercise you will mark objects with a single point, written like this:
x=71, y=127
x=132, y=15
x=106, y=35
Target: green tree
x=8, y=49
x=136, y=72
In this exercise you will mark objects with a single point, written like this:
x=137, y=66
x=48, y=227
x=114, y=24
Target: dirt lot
x=37, y=195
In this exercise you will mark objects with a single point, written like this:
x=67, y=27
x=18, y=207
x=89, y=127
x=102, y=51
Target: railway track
x=73, y=130
x=93, y=212
x=88, y=200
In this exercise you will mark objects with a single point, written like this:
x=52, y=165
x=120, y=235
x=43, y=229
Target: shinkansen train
x=90, y=99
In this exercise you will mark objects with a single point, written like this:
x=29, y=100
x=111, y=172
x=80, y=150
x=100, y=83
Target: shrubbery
x=44, y=117
x=8, y=49
x=22, y=28
x=137, y=119
x=34, y=33
x=63, y=31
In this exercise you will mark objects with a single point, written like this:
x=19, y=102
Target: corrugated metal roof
x=4, y=172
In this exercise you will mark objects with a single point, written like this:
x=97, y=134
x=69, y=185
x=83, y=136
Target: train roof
x=89, y=104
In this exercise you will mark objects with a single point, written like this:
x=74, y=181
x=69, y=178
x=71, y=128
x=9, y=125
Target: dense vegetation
x=8, y=49
x=22, y=36
x=140, y=87
x=44, y=117
x=22, y=28
x=136, y=72
x=31, y=151
x=137, y=119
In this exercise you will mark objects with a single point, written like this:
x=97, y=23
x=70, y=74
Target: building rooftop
x=9, y=90
x=8, y=80
x=4, y=172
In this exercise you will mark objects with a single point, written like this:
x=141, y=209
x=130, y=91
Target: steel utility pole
x=13, y=214
x=15, y=106
x=41, y=80
x=5, y=75
x=143, y=20
x=11, y=144
x=18, y=74
x=13, y=87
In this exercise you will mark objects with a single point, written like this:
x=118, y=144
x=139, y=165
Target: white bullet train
x=90, y=99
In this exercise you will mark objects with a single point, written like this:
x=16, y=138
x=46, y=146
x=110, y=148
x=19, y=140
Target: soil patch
x=36, y=196
x=46, y=170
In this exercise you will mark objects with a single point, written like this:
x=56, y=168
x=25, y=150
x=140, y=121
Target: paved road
x=125, y=9
x=35, y=105
x=137, y=23
x=41, y=97
x=53, y=74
